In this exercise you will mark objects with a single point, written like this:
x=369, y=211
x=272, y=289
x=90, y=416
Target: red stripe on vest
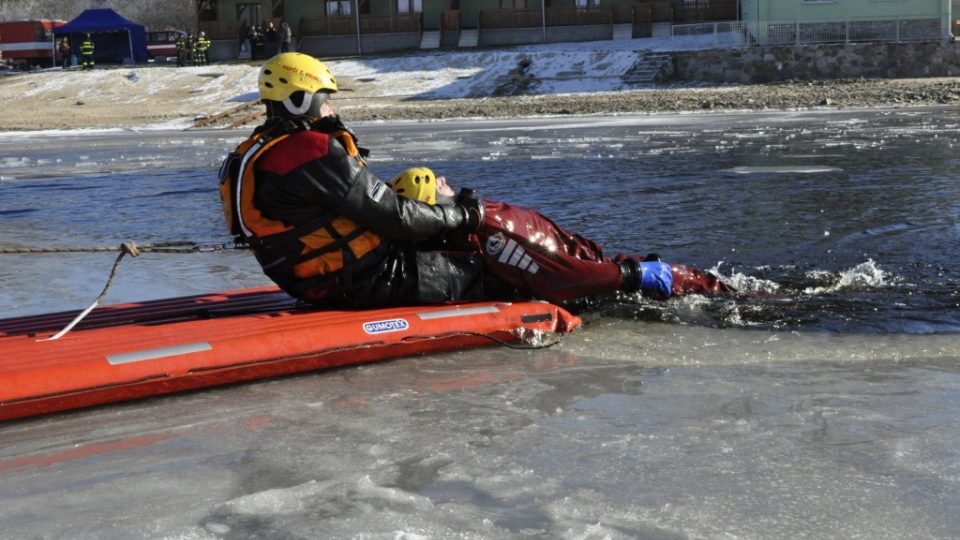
x=298, y=149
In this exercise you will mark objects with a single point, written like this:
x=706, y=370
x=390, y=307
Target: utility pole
x=356, y=13
x=543, y=18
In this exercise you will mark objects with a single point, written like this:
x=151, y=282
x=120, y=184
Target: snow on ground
x=560, y=68
x=477, y=74
x=172, y=97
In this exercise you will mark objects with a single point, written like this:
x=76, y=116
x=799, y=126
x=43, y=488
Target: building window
x=206, y=11
x=338, y=7
x=249, y=13
x=588, y=3
x=410, y=6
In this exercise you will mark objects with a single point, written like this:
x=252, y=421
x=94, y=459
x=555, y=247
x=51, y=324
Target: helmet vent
x=268, y=84
x=284, y=81
x=267, y=72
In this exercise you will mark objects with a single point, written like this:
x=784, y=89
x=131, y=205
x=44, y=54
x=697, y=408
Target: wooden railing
x=510, y=18
x=704, y=10
x=642, y=12
x=623, y=13
x=675, y=11
x=388, y=24
x=661, y=11
x=556, y=16
x=450, y=21
x=338, y=25
x=216, y=30
x=332, y=25
x=572, y=16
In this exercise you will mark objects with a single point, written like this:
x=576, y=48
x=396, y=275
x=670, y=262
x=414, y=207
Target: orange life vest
x=325, y=246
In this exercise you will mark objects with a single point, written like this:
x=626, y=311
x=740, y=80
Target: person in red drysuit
x=537, y=258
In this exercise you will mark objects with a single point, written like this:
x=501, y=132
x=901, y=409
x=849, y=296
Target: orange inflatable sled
x=158, y=347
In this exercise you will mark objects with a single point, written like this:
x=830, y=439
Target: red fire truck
x=28, y=43
x=162, y=44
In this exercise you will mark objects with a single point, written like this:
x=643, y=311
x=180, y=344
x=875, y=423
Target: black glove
x=472, y=210
x=464, y=194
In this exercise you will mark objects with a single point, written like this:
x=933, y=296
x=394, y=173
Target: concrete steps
x=622, y=31
x=469, y=38
x=649, y=70
x=430, y=40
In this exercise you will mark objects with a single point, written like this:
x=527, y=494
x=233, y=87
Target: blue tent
x=114, y=38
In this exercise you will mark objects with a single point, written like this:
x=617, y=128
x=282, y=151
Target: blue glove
x=656, y=279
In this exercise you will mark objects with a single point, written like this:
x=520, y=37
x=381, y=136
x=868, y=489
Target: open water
x=821, y=403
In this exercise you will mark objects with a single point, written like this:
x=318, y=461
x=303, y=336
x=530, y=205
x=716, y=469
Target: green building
x=833, y=10
x=788, y=21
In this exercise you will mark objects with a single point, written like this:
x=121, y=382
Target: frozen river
x=824, y=406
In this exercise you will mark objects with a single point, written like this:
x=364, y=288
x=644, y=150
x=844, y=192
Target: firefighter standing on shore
x=190, y=56
x=86, y=52
x=65, y=52
x=285, y=37
x=203, y=44
x=181, y=50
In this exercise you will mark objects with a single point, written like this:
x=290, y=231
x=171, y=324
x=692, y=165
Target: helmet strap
x=299, y=110
x=310, y=104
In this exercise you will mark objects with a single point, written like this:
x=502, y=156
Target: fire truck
x=28, y=43
x=162, y=44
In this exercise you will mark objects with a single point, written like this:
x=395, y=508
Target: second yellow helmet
x=418, y=183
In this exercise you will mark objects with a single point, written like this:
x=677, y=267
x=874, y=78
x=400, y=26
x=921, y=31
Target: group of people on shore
x=192, y=49
x=86, y=52
x=261, y=41
x=265, y=40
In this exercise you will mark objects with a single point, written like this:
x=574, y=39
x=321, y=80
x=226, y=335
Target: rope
x=130, y=247
x=126, y=248
x=134, y=250
x=524, y=345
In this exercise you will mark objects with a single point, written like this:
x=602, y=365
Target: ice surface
x=786, y=414
x=578, y=442
x=812, y=169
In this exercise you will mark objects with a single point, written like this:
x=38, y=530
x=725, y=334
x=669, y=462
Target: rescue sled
x=136, y=350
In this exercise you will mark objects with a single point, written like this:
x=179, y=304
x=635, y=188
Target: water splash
x=745, y=283
x=866, y=275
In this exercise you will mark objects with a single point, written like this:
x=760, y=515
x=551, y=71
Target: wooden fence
x=338, y=25
x=450, y=21
x=704, y=10
x=641, y=12
x=217, y=30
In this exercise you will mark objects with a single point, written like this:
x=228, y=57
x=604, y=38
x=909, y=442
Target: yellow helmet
x=288, y=73
x=418, y=183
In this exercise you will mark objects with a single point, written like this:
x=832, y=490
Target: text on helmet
x=302, y=73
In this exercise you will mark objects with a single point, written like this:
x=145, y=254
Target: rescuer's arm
x=359, y=195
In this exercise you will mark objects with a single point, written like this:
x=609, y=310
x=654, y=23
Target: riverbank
x=222, y=96
x=775, y=96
